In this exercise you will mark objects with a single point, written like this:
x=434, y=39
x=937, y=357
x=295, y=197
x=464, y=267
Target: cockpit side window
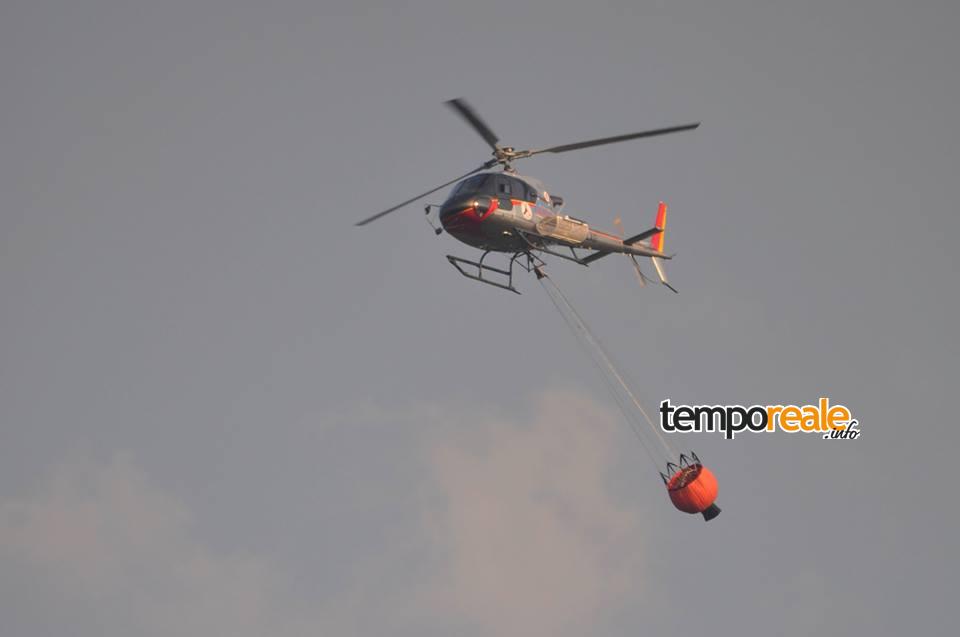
x=522, y=190
x=529, y=193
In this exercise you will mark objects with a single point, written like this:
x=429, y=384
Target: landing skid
x=497, y=277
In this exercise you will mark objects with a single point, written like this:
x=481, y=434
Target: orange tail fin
x=656, y=241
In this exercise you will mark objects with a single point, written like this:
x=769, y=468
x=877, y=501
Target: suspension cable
x=626, y=400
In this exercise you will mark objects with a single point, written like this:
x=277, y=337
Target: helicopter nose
x=464, y=215
x=469, y=207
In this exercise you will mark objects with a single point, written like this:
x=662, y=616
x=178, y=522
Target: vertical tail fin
x=658, y=265
x=656, y=241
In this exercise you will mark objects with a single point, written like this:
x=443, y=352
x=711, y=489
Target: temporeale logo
x=834, y=422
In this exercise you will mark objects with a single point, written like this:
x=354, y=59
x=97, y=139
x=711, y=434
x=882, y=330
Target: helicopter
x=505, y=212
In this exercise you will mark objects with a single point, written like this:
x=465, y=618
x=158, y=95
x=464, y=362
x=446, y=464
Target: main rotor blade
x=466, y=112
x=433, y=190
x=610, y=140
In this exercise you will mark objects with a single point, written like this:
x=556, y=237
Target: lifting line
x=613, y=379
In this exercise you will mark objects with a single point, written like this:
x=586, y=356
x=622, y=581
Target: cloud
x=535, y=543
x=516, y=532
x=105, y=541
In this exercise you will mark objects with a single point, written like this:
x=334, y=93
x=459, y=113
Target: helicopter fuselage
x=504, y=212
x=490, y=211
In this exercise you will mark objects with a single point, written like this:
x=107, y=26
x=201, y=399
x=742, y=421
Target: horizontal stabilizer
x=640, y=237
x=590, y=258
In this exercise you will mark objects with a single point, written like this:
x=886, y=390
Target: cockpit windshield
x=475, y=184
x=497, y=185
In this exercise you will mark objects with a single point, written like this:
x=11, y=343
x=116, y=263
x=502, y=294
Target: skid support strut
x=491, y=275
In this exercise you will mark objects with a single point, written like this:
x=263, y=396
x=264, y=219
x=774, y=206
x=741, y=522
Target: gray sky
x=225, y=410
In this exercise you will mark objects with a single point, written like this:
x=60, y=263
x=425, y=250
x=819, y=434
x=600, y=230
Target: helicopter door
x=505, y=192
